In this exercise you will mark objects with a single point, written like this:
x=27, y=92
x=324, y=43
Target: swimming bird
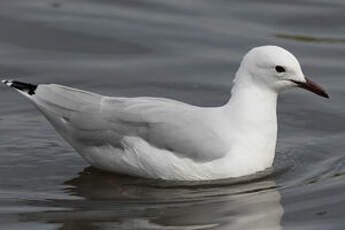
x=167, y=139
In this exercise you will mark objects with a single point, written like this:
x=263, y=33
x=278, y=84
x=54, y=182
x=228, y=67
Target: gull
x=166, y=139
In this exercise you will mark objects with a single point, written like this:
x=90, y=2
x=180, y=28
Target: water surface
x=187, y=50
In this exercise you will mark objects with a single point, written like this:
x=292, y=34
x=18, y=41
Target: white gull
x=170, y=140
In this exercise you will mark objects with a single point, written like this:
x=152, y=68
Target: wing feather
x=90, y=119
x=167, y=124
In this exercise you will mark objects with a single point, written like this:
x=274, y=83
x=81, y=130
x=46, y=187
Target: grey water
x=183, y=49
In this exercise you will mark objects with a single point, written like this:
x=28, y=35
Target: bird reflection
x=110, y=201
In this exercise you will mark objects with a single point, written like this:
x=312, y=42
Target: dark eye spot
x=280, y=69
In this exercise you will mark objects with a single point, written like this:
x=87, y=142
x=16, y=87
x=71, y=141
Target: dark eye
x=280, y=69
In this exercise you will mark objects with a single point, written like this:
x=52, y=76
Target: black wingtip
x=6, y=82
x=26, y=87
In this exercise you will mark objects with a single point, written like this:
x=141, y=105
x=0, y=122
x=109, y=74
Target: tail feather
x=52, y=95
x=21, y=86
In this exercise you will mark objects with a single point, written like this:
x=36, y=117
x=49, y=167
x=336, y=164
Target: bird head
x=277, y=69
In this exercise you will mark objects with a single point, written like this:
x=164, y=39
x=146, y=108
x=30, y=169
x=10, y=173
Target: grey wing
x=89, y=119
x=167, y=124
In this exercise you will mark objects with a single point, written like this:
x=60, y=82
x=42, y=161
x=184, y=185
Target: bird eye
x=280, y=69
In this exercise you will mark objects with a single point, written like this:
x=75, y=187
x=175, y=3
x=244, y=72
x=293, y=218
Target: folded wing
x=89, y=119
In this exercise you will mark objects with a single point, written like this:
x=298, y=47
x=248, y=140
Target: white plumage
x=168, y=139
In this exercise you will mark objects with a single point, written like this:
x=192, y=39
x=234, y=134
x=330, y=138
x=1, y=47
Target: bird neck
x=250, y=101
x=252, y=116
